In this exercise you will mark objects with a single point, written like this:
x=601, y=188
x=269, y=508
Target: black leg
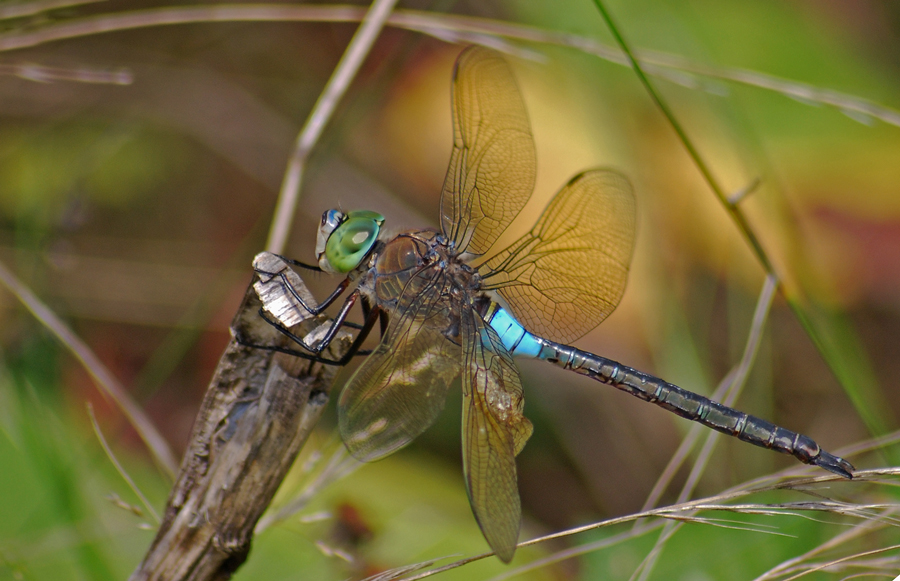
x=317, y=310
x=314, y=358
x=361, y=336
x=293, y=262
x=315, y=354
x=383, y=319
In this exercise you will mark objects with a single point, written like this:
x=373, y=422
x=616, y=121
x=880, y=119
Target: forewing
x=400, y=389
x=494, y=431
x=492, y=166
x=569, y=273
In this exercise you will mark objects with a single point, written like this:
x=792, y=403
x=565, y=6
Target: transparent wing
x=492, y=167
x=568, y=274
x=494, y=432
x=398, y=392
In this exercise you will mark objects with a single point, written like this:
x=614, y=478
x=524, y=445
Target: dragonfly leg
x=310, y=355
x=382, y=315
x=372, y=316
x=314, y=352
x=322, y=342
x=313, y=310
x=294, y=352
x=273, y=268
x=292, y=262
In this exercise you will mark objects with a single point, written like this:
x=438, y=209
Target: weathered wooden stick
x=256, y=415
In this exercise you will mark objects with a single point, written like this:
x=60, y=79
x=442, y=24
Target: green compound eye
x=352, y=240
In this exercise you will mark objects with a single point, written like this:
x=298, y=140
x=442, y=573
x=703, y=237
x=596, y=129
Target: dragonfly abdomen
x=691, y=406
x=515, y=338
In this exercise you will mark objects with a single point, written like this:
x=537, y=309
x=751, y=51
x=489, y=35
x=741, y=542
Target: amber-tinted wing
x=400, y=389
x=494, y=431
x=492, y=167
x=568, y=274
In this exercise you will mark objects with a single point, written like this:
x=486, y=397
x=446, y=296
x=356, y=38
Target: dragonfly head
x=344, y=240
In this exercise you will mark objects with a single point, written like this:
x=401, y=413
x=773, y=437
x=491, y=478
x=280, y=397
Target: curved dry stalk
x=449, y=28
x=727, y=392
x=104, y=379
x=340, y=464
x=119, y=468
x=857, y=531
x=42, y=74
x=23, y=9
x=682, y=512
x=337, y=85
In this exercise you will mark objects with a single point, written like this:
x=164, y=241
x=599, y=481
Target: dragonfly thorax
x=413, y=261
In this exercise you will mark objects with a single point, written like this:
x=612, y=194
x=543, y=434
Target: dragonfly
x=434, y=293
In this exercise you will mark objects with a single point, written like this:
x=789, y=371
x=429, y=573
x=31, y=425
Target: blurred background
x=134, y=211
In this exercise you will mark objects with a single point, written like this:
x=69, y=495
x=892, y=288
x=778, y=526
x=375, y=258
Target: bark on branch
x=257, y=413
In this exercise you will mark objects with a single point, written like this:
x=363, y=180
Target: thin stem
x=337, y=85
x=42, y=74
x=340, y=465
x=727, y=392
x=449, y=28
x=873, y=416
x=112, y=458
x=845, y=537
x=23, y=9
x=92, y=364
x=733, y=210
x=737, y=377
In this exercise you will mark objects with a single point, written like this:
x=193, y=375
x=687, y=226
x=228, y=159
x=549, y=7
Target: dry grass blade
x=841, y=561
x=449, y=566
x=42, y=74
x=683, y=512
x=577, y=551
x=102, y=376
x=399, y=572
x=727, y=392
x=112, y=458
x=337, y=85
x=868, y=526
x=450, y=28
x=23, y=9
x=340, y=464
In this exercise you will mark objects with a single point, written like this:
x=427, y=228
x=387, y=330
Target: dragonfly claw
x=834, y=464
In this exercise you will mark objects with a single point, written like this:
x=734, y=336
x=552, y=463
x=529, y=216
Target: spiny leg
x=314, y=352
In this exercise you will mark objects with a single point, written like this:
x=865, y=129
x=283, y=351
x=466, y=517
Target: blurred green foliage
x=43, y=172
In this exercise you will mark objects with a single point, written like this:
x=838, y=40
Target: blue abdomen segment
x=515, y=338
